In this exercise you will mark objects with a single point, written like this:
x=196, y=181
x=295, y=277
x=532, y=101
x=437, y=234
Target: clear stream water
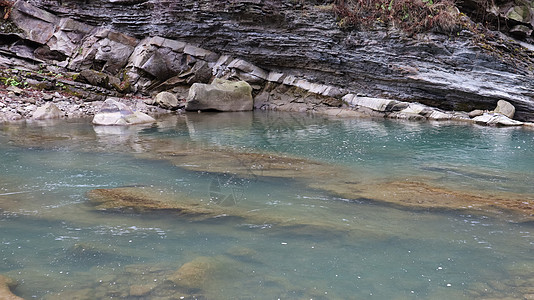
x=57, y=246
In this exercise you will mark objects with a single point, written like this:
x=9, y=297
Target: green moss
x=40, y=86
x=69, y=91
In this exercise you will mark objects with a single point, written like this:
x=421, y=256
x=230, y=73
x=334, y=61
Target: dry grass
x=6, y=6
x=412, y=16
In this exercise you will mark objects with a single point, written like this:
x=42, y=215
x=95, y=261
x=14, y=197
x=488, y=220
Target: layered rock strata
x=146, y=46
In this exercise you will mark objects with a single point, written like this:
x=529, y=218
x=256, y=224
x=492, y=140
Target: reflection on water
x=292, y=207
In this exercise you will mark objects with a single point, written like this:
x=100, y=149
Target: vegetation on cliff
x=412, y=16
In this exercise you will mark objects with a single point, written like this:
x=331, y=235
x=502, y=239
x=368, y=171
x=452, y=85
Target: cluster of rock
x=194, y=279
x=28, y=104
x=502, y=115
x=18, y=104
x=114, y=112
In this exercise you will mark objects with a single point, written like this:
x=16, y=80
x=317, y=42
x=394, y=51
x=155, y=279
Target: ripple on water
x=331, y=209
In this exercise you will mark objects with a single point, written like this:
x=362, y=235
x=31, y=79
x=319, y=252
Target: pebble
x=74, y=107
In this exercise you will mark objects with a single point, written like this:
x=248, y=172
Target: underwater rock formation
x=6, y=284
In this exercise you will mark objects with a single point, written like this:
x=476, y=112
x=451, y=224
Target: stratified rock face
x=113, y=112
x=221, y=95
x=303, y=39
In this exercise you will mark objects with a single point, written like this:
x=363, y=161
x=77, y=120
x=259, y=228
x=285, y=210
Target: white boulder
x=114, y=112
x=221, y=95
x=47, y=111
x=505, y=108
x=496, y=119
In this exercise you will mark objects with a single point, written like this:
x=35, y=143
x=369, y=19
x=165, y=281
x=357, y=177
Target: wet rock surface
x=413, y=193
x=417, y=194
x=153, y=201
x=6, y=285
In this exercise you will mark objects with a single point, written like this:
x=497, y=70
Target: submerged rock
x=140, y=199
x=140, y=290
x=93, y=254
x=6, y=284
x=248, y=164
x=113, y=112
x=242, y=253
x=78, y=294
x=221, y=95
x=150, y=200
x=414, y=194
x=194, y=275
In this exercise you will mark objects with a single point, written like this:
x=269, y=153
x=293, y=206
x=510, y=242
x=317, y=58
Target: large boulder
x=505, y=108
x=166, y=100
x=47, y=111
x=194, y=275
x=221, y=95
x=113, y=112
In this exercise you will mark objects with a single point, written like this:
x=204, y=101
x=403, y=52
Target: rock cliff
x=471, y=69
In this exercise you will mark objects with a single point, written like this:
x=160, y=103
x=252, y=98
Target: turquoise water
x=301, y=241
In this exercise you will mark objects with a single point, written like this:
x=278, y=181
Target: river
x=265, y=205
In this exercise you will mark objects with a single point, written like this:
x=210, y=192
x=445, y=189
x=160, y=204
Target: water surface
x=304, y=242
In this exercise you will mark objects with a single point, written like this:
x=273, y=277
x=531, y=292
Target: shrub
x=412, y=16
x=7, y=5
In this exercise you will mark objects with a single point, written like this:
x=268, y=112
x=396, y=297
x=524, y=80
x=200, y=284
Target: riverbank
x=304, y=61
x=20, y=104
x=27, y=103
